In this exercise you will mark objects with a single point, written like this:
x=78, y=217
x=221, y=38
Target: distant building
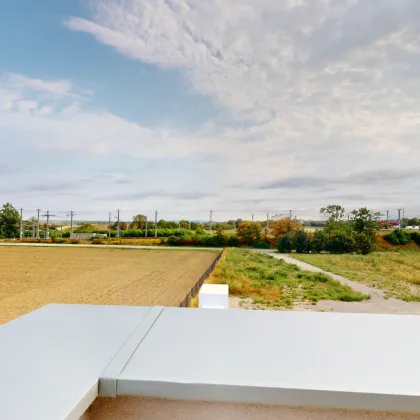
x=87, y=236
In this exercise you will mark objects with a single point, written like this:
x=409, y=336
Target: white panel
x=214, y=296
x=51, y=359
x=301, y=358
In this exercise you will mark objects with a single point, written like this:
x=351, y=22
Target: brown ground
x=133, y=408
x=33, y=277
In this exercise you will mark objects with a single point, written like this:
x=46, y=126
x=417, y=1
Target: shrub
x=58, y=240
x=365, y=243
x=415, y=236
x=215, y=240
x=398, y=237
x=232, y=241
x=200, y=230
x=340, y=242
x=285, y=242
x=302, y=241
x=98, y=241
x=261, y=245
x=319, y=242
x=174, y=241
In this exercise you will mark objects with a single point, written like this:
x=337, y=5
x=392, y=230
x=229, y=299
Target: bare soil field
x=32, y=277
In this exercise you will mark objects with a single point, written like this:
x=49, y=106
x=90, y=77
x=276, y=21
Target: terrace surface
x=60, y=358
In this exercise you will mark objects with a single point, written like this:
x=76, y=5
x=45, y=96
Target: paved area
x=377, y=304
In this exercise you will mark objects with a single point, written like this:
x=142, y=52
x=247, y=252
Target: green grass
x=272, y=282
x=397, y=273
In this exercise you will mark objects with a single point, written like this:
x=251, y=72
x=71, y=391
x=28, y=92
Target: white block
x=214, y=296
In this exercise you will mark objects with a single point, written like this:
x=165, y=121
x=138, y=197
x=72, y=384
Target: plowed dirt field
x=33, y=277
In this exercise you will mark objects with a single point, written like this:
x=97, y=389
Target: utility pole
x=267, y=221
x=211, y=222
x=399, y=219
x=37, y=225
x=71, y=214
x=156, y=214
x=145, y=232
x=387, y=219
x=118, y=223
x=252, y=217
x=403, y=212
x=21, y=224
x=47, y=215
x=109, y=225
x=290, y=214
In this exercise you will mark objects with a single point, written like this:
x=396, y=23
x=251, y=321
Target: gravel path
x=375, y=305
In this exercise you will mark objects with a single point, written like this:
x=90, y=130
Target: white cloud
x=308, y=88
x=56, y=88
x=324, y=87
x=69, y=126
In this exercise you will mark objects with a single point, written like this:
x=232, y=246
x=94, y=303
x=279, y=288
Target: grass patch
x=397, y=273
x=275, y=283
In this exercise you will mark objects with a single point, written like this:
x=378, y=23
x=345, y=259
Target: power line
x=47, y=215
x=71, y=214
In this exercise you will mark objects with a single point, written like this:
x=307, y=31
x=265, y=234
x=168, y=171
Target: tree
x=238, y=222
x=334, y=213
x=139, y=222
x=194, y=226
x=365, y=220
x=123, y=225
x=282, y=226
x=83, y=228
x=365, y=224
x=248, y=232
x=9, y=221
x=184, y=224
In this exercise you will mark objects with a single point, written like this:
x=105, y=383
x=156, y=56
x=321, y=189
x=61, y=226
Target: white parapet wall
x=213, y=296
x=188, y=363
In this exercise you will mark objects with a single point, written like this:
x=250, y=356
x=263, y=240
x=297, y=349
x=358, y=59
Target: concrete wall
x=133, y=408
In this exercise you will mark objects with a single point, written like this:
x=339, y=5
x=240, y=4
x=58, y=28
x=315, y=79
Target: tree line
x=339, y=234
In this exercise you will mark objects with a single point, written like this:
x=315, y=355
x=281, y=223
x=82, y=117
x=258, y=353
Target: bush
x=302, y=244
x=285, y=243
x=365, y=243
x=56, y=240
x=261, y=245
x=398, y=237
x=319, y=242
x=415, y=236
x=340, y=242
x=174, y=241
x=232, y=241
x=161, y=233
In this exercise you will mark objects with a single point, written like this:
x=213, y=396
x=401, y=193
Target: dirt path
x=377, y=304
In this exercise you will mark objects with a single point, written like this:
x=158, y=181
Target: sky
x=185, y=106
